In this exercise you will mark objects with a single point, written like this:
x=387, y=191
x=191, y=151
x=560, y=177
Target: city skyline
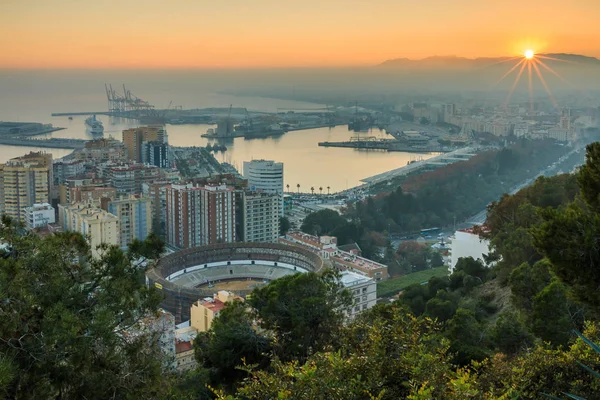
x=265, y=33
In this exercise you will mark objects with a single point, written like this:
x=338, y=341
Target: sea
x=32, y=96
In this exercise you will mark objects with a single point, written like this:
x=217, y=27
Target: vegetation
x=501, y=328
x=66, y=317
x=393, y=286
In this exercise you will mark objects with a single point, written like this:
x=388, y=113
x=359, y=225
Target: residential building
x=326, y=247
x=91, y=193
x=261, y=215
x=203, y=312
x=200, y=215
x=185, y=359
x=63, y=169
x=560, y=134
x=134, y=139
x=157, y=193
x=25, y=181
x=162, y=327
x=363, y=290
x=467, y=243
x=39, y=216
x=97, y=225
x=156, y=153
x=127, y=178
x=265, y=175
x=101, y=151
x=135, y=217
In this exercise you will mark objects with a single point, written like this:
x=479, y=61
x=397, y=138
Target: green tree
x=552, y=313
x=231, y=341
x=439, y=308
x=527, y=281
x=305, y=311
x=436, y=259
x=284, y=225
x=65, y=319
x=388, y=355
x=152, y=247
x=510, y=335
x=467, y=338
x=327, y=220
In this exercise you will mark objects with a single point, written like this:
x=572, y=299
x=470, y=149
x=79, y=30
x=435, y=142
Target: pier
x=387, y=145
x=54, y=143
x=463, y=154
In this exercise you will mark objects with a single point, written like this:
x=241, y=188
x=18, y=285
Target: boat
x=94, y=126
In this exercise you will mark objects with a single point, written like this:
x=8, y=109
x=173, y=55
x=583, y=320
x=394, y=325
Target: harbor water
x=34, y=98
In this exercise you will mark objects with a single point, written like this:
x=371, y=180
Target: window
x=356, y=309
x=364, y=290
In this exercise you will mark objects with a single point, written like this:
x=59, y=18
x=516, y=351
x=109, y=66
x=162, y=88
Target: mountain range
x=454, y=62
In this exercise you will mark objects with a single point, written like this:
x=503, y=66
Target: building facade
x=134, y=139
x=156, y=153
x=204, y=311
x=127, y=178
x=363, y=290
x=25, y=181
x=135, y=217
x=265, y=175
x=39, y=216
x=96, y=225
x=65, y=169
x=200, y=215
x=261, y=212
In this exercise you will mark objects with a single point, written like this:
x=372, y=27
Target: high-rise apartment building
x=127, y=178
x=96, y=225
x=64, y=169
x=200, y=215
x=157, y=193
x=135, y=138
x=135, y=217
x=261, y=212
x=25, y=181
x=265, y=175
x=156, y=153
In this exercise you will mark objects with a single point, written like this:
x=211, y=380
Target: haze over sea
x=34, y=95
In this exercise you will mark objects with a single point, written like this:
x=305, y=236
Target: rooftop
x=350, y=278
x=183, y=346
x=215, y=305
x=356, y=262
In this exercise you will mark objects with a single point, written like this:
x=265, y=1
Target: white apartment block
x=261, y=217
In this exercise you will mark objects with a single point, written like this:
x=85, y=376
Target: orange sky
x=282, y=33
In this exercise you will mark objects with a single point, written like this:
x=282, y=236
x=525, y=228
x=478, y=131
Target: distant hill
x=454, y=62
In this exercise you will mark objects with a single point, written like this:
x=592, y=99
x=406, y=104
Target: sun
x=529, y=54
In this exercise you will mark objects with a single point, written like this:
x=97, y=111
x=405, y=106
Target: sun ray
x=543, y=64
x=512, y=89
x=530, y=87
x=502, y=61
x=509, y=71
x=539, y=74
x=553, y=58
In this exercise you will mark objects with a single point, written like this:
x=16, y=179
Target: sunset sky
x=283, y=33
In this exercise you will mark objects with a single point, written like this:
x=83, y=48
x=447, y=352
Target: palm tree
x=288, y=187
x=312, y=189
x=321, y=190
x=328, y=190
x=298, y=186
